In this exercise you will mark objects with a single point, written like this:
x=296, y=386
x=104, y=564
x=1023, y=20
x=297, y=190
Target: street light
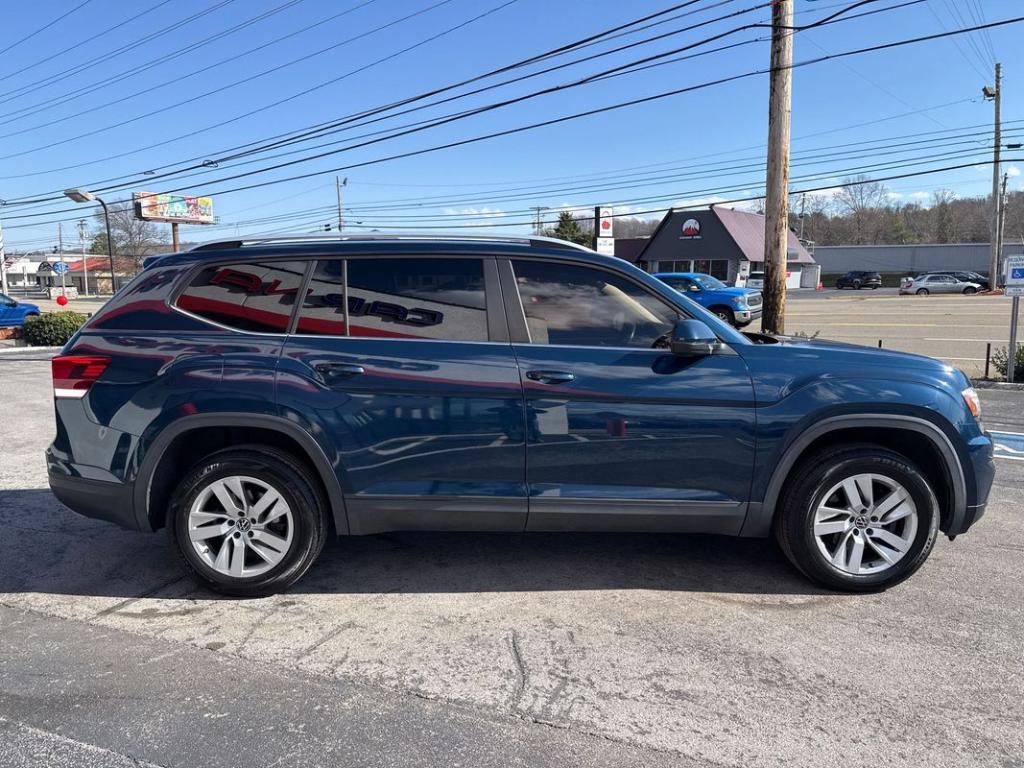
x=83, y=196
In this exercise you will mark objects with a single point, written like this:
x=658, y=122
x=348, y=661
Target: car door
x=623, y=435
x=7, y=310
x=945, y=284
x=405, y=363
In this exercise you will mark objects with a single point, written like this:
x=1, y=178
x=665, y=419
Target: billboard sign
x=182, y=209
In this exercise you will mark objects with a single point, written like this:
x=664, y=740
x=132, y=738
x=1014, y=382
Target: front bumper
x=746, y=316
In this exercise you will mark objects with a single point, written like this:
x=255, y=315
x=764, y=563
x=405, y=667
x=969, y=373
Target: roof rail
x=379, y=236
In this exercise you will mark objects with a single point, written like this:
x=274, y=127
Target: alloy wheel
x=240, y=526
x=865, y=524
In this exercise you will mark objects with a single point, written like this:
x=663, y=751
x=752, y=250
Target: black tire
x=839, y=286
x=875, y=287
x=856, y=284
x=970, y=289
x=922, y=291
x=724, y=313
x=794, y=519
x=288, y=477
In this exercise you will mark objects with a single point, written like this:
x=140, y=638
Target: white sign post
x=1014, y=288
x=604, y=224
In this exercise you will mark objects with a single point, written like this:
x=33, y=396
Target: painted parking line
x=1008, y=445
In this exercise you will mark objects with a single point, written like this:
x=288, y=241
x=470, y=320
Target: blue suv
x=737, y=306
x=255, y=397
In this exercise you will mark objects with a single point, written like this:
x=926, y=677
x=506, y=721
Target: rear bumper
x=99, y=499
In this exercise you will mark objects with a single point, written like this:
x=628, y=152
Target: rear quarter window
x=245, y=296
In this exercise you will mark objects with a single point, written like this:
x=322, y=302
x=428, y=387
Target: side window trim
x=516, y=313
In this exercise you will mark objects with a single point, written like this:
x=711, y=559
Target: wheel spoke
x=271, y=541
x=220, y=490
x=223, y=560
x=270, y=556
x=268, y=503
x=884, y=552
x=856, y=555
x=903, y=510
x=234, y=484
x=839, y=556
x=208, y=531
x=891, y=502
x=237, y=556
x=831, y=526
x=891, y=539
x=207, y=517
x=825, y=512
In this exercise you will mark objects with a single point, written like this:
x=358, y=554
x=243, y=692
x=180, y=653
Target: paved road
x=470, y=649
x=952, y=328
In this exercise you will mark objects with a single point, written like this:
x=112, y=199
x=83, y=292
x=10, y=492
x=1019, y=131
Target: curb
x=23, y=349
x=1003, y=385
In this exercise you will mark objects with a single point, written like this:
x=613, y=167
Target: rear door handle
x=551, y=377
x=339, y=370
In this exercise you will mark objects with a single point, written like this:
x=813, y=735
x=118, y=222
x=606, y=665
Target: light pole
x=83, y=196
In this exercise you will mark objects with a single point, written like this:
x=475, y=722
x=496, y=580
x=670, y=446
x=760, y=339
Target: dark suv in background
x=860, y=280
x=255, y=397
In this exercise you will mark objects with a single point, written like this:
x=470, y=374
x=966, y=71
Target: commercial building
x=908, y=259
x=722, y=242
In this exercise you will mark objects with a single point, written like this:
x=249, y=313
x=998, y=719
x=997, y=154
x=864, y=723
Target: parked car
x=755, y=280
x=859, y=280
x=14, y=312
x=255, y=397
x=967, y=277
x=922, y=285
x=737, y=306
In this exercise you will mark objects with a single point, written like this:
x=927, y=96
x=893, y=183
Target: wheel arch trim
x=760, y=515
x=156, y=450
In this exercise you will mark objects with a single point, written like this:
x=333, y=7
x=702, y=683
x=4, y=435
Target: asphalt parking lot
x=447, y=649
x=953, y=328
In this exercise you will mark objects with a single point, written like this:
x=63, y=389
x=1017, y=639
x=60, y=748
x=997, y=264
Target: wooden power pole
x=776, y=214
x=997, y=98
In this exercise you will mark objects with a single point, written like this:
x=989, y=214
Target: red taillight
x=74, y=374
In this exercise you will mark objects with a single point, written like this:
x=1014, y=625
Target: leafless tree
x=132, y=236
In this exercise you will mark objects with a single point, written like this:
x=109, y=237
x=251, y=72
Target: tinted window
x=567, y=304
x=398, y=298
x=246, y=296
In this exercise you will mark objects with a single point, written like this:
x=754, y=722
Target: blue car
x=13, y=312
x=737, y=306
x=256, y=397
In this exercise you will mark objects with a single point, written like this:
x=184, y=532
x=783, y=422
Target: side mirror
x=692, y=338
x=694, y=288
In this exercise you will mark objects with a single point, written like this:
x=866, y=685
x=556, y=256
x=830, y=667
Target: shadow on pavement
x=48, y=549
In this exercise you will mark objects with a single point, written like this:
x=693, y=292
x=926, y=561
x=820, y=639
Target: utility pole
x=1001, y=227
x=85, y=260
x=996, y=96
x=776, y=218
x=339, y=183
x=3, y=262
x=60, y=246
x=538, y=222
x=803, y=207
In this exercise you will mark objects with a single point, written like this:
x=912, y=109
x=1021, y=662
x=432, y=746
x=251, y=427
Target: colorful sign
x=691, y=229
x=183, y=209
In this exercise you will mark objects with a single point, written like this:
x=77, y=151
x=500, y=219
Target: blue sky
x=702, y=145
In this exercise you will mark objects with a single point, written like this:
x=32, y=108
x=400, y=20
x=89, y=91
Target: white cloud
x=1013, y=171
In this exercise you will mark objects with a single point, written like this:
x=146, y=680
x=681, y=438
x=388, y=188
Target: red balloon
x=62, y=300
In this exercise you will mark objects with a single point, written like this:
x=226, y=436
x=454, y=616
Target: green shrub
x=52, y=329
x=1000, y=358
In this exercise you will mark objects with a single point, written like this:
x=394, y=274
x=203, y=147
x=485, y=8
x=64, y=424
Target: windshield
x=708, y=282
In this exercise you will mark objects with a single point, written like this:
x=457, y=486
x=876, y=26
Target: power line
x=74, y=94
x=45, y=27
x=612, y=72
x=80, y=43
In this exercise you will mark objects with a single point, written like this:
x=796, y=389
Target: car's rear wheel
x=970, y=289
x=248, y=521
x=859, y=518
x=922, y=291
x=856, y=284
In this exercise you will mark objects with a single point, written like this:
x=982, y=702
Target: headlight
x=973, y=402
x=739, y=301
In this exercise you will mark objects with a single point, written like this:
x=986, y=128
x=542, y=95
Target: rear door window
x=246, y=296
x=402, y=298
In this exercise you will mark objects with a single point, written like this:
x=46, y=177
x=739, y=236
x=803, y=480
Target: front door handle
x=551, y=377
x=339, y=370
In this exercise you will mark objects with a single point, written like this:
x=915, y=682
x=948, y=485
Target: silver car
x=922, y=285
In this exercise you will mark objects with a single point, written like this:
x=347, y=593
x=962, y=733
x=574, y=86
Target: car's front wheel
x=248, y=521
x=725, y=314
x=970, y=289
x=859, y=518
x=922, y=291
